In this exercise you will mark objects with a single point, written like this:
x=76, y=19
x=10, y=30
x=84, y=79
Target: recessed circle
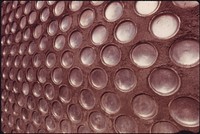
x=24, y=114
x=25, y=88
x=87, y=99
x=185, y=111
x=76, y=77
x=87, y=18
x=11, y=17
x=7, y=107
x=30, y=128
x=31, y=102
x=16, y=109
x=12, y=74
x=22, y=48
x=22, y=22
x=20, y=125
x=14, y=27
x=113, y=11
x=9, y=7
x=186, y=4
x=25, y=61
x=44, y=43
x=110, y=55
x=4, y=19
x=59, y=42
x=67, y=59
x=76, y=39
x=59, y=8
x=18, y=37
x=50, y=3
x=99, y=35
x=37, y=60
x=18, y=13
x=144, y=55
x=11, y=120
x=125, y=32
x=50, y=123
x=42, y=131
x=164, y=127
x=125, y=80
x=84, y=129
x=66, y=23
x=6, y=129
x=27, y=34
x=110, y=103
x=51, y=60
x=75, y=5
x=9, y=61
x=57, y=109
x=32, y=17
x=14, y=5
x=27, y=8
x=32, y=48
x=10, y=38
x=164, y=81
x=30, y=75
x=39, y=4
x=65, y=126
x=125, y=124
x=21, y=100
x=37, y=89
x=53, y=28
x=57, y=76
x=98, y=78
x=65, y=94
x=3, y=40
x=75, y=113
x=146, y=8
x=144, y=106
x=98, y=121
x=43, y=106
x=45, y=14
x=185, y=53
x=42, y=75
x=165, y=26
x=4, y=93
x=11, y=97
x=49, y=91
x=88, y=56
x=96, y=3
x=37, y=32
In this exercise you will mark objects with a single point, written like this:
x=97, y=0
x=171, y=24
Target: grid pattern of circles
x=100, y=66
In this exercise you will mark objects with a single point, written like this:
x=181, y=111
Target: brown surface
x=189, y=76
